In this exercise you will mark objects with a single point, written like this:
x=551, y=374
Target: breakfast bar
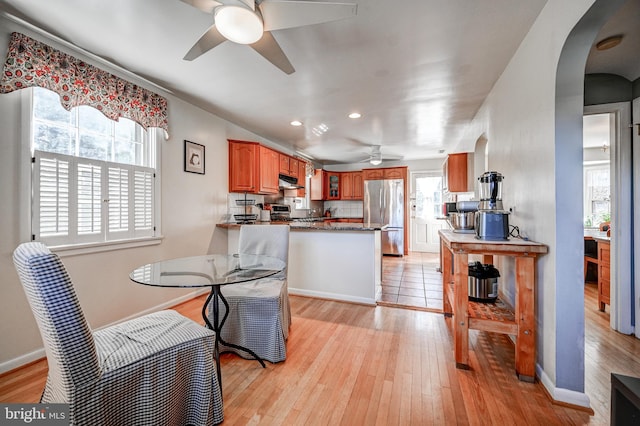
x=498, y=317
x=338, y=261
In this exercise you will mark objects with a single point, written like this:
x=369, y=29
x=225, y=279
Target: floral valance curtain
x=32, y=63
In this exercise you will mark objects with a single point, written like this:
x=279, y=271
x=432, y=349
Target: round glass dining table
x=213, y=270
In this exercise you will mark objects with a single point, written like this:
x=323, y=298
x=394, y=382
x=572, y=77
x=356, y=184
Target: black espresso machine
x=491, y=221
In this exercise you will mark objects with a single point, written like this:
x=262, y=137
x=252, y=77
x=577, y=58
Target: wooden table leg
x=445, y=255
x=460, y=309
x=525, y=317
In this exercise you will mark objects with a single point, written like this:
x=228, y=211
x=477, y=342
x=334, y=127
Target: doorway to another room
x=426, y=209
x=413, y=281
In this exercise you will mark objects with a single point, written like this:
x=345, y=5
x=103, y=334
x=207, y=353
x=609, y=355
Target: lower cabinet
x=604, y=274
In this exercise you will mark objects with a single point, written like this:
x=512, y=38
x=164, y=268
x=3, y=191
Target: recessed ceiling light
x=296, y=123
x=609, y=42
x=355, y=115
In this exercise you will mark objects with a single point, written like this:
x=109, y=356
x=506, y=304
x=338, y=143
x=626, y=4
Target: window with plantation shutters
x=93, y=178
x=80, y=201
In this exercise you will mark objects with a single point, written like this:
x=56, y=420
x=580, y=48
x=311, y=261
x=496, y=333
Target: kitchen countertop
x=314, y=226
x=597, y=234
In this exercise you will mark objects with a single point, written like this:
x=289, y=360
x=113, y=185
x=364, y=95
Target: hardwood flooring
x=358, y=365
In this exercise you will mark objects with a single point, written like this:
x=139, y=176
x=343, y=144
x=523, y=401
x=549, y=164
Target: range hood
x=288, y=182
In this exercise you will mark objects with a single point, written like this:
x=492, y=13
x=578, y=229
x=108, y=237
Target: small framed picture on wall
x=193, y=157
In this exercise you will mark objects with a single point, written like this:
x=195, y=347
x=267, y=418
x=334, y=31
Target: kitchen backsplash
x=342, y=209
x=345, y=208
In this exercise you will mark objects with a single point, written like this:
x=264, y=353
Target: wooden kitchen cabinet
x=395, y=173
x=604, y=273
x=332, y=182
x=317, y=186
x=352, y=186
x=372, y=174
x=385, y=173
x=269, y=167
x=358, y=186
x=302, y=177
x=243, y=166
x=456, y=174
x=289, y=166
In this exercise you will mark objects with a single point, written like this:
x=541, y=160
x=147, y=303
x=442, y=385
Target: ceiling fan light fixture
x=239, y=24
x=375, y=161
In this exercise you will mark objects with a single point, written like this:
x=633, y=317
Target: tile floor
x=412, y=281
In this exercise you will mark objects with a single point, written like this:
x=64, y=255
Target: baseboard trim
x=332, y=296
x=564, y=397
x=38, y=354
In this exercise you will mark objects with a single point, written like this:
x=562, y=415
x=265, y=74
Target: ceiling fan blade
x=208, y=41
x=269, y=48
x=278, y=15
x=206, y=6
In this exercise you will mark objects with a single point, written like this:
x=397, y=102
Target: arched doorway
x=569, y=86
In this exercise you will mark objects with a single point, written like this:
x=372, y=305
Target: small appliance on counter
x=280, y=213
x=483, y=282
x=491, y=222
x=462, y=220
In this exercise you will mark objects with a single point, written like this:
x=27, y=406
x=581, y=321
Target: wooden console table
x=498, y=317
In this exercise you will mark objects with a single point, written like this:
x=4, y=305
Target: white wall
x=191, y=206
x=526, y=143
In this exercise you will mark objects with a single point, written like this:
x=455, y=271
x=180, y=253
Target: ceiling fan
x=251, y=22
x=376, y=158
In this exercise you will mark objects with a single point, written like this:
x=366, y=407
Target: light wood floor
x=352, y=364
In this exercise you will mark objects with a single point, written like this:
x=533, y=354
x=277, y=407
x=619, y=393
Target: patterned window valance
x=33, y=63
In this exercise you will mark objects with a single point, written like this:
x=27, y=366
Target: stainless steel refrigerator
x=384, y=204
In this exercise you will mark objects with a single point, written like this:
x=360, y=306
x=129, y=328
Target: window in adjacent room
x=596, y=138
x=93, y=178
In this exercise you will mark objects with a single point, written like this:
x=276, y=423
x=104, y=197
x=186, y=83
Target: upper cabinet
x=252, y=168
x=269, y=167
x=243, y=166
x=458, y=172
x=318, y=189
x=332, y=182
x=352, y=186
x=327, y=185
x=385, y=173
x=302, y=177
x=373, y=174
x=289, y=166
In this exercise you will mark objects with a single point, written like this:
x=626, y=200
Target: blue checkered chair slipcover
x=158, y=369
x=259, y=313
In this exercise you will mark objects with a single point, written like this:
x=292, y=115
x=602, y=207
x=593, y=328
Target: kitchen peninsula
x=339, y=261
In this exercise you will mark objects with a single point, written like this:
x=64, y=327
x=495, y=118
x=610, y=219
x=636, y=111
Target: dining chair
x=156, y=369
x=259, y=313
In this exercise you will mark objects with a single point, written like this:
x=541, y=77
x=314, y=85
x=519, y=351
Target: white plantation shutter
x=118, y=199
x=51, y=218
x=89, y=191
x=83, y=200
x=143, y=202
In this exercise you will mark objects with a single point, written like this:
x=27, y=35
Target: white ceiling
x=418, y=70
